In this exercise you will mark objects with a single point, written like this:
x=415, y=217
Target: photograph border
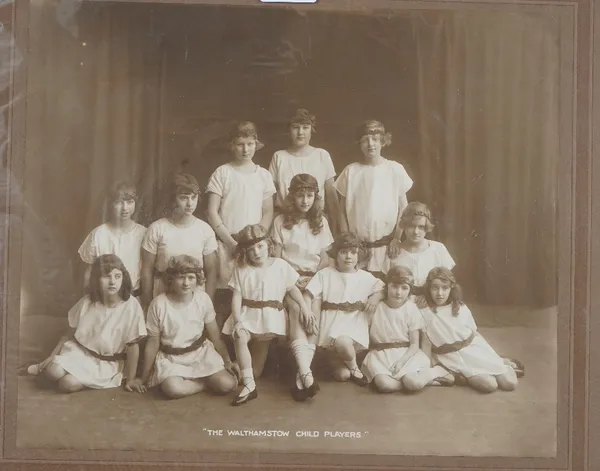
x=579, y=255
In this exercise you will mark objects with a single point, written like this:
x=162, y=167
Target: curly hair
x=122, y=190
x=303, y=116
x=414, y=210
x=291, y=216
x=372, y=127
x=102, y=266
x=347, y=240
x=246, y=238
x=244, y=129
x=445, y=275
x=400, y=275
x=181, y=265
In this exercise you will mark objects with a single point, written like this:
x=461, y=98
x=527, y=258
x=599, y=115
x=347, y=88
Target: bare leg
x=483, y=383
x=259, y=349
x=339, y=370
x=175, y=387
x=507, y=381
x=69, y=384
x=54, y=372
x=387, y=384
x=344, y=347
x=245, y=361
x=221, y=382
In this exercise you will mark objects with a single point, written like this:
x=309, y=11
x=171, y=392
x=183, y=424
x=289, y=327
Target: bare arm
x=212, y=214
x=324, y=260
x=131, y=361
x=410, y=352
x=210, y=262
x=426, y=345
x=147, y=277
x=343, y=219
x=332, y=205
x=267, y=213
x=150, y=352
x=212, y=331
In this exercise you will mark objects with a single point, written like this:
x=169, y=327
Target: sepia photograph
x=248, y=231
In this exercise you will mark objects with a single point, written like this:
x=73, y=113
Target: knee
x=225, y=384
x=171, y=387
x=382, y=385
x=54, y=372
x=484, y=384
x=343, y=344
x=242, y=339
x=410, y=383
x=506, y=383
x=68, y=384
x=341, y=374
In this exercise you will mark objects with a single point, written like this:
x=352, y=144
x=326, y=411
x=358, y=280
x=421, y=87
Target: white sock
x=304, y=353
x=33, y=370
x=248, y=380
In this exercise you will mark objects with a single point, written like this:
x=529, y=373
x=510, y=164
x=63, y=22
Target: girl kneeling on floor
x=185, y=352
x=101, y=349
x=452, y=338
x=345, y=297
x=259, y=284
x=395, y=361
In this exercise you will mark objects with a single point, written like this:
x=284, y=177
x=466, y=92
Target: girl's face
x=371, y=146
x=347, y=259
x=416, y=230
x=184, y=283
x=258, y=253
x=243, y=149
x=300, y=134
x=397, y=294
x=439, y=291
x=123, y=208
x=304, y=200
x=110, y=284
x=186, y=203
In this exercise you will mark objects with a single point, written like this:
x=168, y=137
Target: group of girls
x=269, y=252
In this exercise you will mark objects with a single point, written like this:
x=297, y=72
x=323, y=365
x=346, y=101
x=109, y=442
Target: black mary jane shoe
x=241, y=400
x=362, y=382
x=516, y=365
x=299, y=395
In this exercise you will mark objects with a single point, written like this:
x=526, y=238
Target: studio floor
x=438, y=421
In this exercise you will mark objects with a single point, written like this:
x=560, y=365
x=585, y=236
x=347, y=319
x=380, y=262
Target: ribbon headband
x=246, y=244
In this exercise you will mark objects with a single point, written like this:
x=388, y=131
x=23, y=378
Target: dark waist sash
x=453, y=347
x=180, y=351
x=385, y=240
x=262, y=304
x=305, y=273
x=346, y=307
x=378, y=274
x=384, y=346
x=115, y=357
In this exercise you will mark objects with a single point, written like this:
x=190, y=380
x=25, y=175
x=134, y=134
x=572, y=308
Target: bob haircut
x=455, y=296
x=414, y=210
x=181, y=265
x=102, y=266
x=291, y=216
x=180, y=184
x=246, y=238
x=372, y=127
x=400, y=275
x=303, y=116
x=244, y=129
x=122, y=190
x=348, y=240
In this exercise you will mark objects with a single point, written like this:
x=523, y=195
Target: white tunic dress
x=477, y=358
x=127, y=246
x=300, y=247
x=392, y=326
x=166, y=240
x=105, y=331
x=372, y=202
x=179, y=327
x=269, y=283
x=336, y=287
x=242, y=196
x=421, y=263
x=285, y=166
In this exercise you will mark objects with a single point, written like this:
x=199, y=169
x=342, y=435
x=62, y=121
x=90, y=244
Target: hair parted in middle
x=102, y=266
x=246, y=238
x=372, y=127
x=445, y=275
x=416, y=209
x=122, y=190
x=291, y=216
x=244, y=129
x=182, y=265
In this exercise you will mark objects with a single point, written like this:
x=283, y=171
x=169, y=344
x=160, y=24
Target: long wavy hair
x=102, y=266
x=303, y=182
x=455, y=296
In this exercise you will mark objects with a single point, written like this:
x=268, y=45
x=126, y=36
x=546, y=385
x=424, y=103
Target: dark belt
x=385, y=240
x=346, y=307
x=115, y=357
x=181, y=351
x=453, y=347
x=385, y=346
x=262, y=304
x=305, y=273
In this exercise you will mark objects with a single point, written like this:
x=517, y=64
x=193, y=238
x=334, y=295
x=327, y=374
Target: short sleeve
x=415, y=320
x=328, y=165
x=235, y=282
x=137, y=329
x=88, y=250
x=315, y=285
x=207, y=306
x=276, y=231
x=216, y=183
x=405, y=183
x=152, y=238
x=467, y=318
x=325, y=237
x=341, y=184
x=154, y=322
x=269, y=186
x=210, y=245
x=445, y=259
x=377, y=285
x=290, y=275
x=78, y=310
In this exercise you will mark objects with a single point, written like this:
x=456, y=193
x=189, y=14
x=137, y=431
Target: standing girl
x=418, y=253
x=101, y=347
x=240, y=193
x=373, y=196
x=119, y=235
x=180, y=232
x=184, y=344
x=452, y=337
x=301, y=157
x=345, y=297
x=302, y=237
x=395, y=361
x=259, y=284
